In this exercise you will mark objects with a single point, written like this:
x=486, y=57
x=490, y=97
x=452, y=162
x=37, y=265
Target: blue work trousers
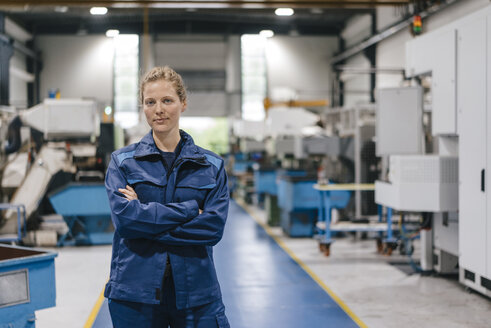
x=125, y=314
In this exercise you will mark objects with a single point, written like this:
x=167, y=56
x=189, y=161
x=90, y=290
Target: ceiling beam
x=207, y=3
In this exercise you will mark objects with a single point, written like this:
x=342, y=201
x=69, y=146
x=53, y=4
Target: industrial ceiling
x=312, y=17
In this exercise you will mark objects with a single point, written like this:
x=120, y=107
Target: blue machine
x=242, y=166
x=266, y=187
x=299, y=202
x=85, y=208
x=265, y=181
x=241, y=163
x=27, y=284
x=299, y=205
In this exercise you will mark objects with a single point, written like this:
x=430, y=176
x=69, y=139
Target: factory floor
x=269, y=280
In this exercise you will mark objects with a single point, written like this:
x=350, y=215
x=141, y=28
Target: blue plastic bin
x=27, y=284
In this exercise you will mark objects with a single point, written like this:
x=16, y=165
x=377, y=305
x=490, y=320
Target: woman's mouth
x=160, y=120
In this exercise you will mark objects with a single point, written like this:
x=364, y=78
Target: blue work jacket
x=165, y=221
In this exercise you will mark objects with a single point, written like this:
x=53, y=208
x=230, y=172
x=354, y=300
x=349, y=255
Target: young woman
x=169, y=203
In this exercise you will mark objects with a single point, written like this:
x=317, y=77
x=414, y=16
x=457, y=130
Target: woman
x=169, y=203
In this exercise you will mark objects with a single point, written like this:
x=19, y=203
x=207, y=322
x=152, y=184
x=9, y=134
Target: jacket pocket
x=148, y=188
x=194, y=188
x=222, y=321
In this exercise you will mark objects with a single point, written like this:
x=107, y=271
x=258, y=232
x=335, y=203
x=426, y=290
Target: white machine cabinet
x=474, y=125
x=441, y=44
x=488, y=176
x=420, y=183
x=398, y=126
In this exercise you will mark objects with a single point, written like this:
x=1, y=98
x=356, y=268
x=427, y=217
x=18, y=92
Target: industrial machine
x=298, y=202
x=336, y=141
x=349, y=155
x=346, y=174
x=469, y=76
x=87, y=225
x=415, y=182
x=266, y=189
x=247, y=147
x=437, y=150
x=66, y=142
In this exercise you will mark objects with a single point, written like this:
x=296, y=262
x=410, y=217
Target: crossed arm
x=181, y=223
x=130, y=194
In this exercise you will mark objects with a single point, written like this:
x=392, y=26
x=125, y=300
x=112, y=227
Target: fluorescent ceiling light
x=112, y=33
x=284, y=12
x=98, y=10
x=266, y=33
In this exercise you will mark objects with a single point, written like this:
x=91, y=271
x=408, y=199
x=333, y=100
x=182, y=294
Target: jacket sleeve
x=207, y=228
x=132, y=219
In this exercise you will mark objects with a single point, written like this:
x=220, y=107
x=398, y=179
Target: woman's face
x=162, y=107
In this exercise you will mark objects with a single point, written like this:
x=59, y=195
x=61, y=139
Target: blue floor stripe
x=262, y=286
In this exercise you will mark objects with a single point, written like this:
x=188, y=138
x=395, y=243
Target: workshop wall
x=301, y=64
x=79, y=66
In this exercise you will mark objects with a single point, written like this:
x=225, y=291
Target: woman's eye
x=167, y=101
x=149, y=102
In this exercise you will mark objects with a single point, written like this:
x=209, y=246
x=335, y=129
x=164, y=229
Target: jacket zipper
x=174, y=170
x=175, y=167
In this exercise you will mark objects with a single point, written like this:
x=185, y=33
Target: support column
x=6, y=52
x=233, y=76
x=371, y=54
x=340, y=83
x=33, y=66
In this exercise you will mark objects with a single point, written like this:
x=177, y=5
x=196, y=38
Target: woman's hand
x=129, y=193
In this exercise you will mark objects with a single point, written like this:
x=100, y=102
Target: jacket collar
x=147, y=147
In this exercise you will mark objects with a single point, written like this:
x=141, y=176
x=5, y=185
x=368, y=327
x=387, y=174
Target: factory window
x=254, y=87
x=126, y=80
x=208, y=132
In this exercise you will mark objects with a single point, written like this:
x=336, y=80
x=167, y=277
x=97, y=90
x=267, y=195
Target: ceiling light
x=112, y=33
x=61, y=9
x=284, y=12
x=266, y=33
x=98, y=10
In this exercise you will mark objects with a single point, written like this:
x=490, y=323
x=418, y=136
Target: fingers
x=129, y=193
x=200, y=211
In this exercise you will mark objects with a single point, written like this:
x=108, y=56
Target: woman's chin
x=160, y=129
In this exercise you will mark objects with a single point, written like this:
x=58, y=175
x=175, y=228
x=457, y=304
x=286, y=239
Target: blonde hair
x=167, y=74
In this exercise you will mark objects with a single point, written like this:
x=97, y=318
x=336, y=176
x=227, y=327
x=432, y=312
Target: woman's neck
x=166, y=142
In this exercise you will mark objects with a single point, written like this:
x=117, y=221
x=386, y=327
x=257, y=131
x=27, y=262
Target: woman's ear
x=184, y=106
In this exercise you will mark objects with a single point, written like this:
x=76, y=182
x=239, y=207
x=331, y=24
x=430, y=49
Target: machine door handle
x=483, y=180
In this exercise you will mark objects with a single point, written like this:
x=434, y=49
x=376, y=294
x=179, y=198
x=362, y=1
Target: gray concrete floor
x=379, y=293
x=81, y=273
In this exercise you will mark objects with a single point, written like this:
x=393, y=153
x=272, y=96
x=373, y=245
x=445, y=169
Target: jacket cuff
x=192, y=207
